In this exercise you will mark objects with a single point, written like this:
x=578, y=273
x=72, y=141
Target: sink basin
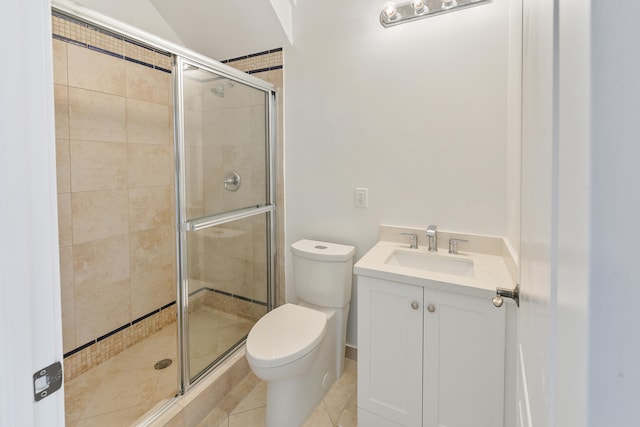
x=431, y=262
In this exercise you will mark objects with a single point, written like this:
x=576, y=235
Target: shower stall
x=166, y=195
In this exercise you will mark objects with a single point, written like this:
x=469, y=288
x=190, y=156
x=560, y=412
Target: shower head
x=219, y=90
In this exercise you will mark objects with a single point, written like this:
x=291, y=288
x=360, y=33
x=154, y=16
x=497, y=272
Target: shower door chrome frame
x=184, y=225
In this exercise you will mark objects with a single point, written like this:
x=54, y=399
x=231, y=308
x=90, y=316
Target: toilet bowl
x=298, y=349
x=285, y=342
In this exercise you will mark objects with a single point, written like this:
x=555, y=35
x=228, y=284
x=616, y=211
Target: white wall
x=614, y=346
x=416, y=113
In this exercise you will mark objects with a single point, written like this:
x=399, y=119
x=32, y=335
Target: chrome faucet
x=414, y=240
x=453, y=245
x=432, y=235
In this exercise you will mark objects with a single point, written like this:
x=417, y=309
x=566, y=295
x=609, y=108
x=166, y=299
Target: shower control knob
x=415, y=305
x=232, y=181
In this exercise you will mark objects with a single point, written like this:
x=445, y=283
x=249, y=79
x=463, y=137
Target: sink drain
x=162, y=364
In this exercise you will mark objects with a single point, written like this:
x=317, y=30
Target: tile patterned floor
x=245, y=405
x=125, y=387
x=121, y=390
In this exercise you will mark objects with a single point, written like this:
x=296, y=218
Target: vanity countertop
x=489, y=270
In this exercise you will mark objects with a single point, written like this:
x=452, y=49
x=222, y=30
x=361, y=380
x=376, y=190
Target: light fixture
x=449, y=4
x=389, y=10
x=394, y=14
x=418, y=6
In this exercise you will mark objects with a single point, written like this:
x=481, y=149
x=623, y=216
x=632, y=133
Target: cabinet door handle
x=431, y=308
x=415, y=305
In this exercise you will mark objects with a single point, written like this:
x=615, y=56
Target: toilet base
x=291, y=400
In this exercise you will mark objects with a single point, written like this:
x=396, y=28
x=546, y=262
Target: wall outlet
x=361, y=198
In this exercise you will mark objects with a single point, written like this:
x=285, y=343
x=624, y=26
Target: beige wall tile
x=95, y=116
x=65, y=229
x=92, y=70
x=147, y=84
x=236, y=131
x=148, y=122
x=98, y=165
x=63, y=166
x=66, y=272
x=151, y=207
x=61, y=106
x=192, y=94
x=209, y=126
x=152, y=289
x=100, y=262
x=68, y=325
x=99, y=214
x=152, y=249
x=101, y=309
x=195, y=261
x=194, y=172
x=150, y=165
x=59, y=62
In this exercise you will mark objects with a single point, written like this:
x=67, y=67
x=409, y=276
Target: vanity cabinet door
x=390, y=321
x=464, y=350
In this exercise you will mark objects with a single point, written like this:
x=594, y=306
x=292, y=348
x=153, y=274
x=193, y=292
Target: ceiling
x=219, y=29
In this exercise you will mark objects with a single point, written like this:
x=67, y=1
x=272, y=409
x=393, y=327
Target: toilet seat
x=285, y=335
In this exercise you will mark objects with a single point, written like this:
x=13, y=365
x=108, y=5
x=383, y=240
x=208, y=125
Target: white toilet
x=299, y=349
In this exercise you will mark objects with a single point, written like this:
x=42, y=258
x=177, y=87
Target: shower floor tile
x=212, y=332
x=122, y=389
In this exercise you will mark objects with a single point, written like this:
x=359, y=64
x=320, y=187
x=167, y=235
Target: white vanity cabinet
x=428, y=357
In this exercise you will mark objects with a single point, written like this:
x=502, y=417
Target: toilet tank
x=322, y=272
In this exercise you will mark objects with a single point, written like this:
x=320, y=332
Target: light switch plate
x=361, y=198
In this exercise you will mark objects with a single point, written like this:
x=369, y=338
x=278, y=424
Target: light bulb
x=418, y=6
x=448, y=4
x=390, y=10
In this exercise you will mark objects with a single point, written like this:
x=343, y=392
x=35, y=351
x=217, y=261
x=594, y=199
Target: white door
x=552, y=337
x=537, y=210
x=30, y=325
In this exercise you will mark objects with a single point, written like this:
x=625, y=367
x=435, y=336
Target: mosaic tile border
x=241, y=307
x=258, y=62
x=70, y=30
x=115, y=331
x=92, y=354
x=227, y=302
x=73, y=31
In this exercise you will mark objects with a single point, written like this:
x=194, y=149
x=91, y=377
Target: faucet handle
x=413, y=241
x=453, y=245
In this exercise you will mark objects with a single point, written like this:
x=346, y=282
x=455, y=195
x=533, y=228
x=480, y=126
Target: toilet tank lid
x=322, y=251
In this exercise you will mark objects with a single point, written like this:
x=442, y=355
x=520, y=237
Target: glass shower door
x=226, y=212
